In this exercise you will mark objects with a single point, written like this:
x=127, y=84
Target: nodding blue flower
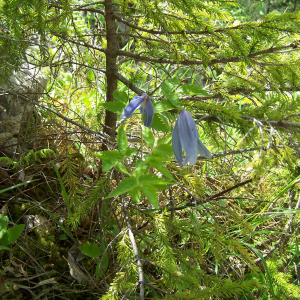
x=185, y=135
x=144, y=104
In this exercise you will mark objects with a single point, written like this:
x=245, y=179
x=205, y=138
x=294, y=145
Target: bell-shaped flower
x=185, y=135
x=144, y=104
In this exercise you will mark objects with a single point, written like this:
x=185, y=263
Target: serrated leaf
x=163, y=105
x=107, y=164
x=141, y=168
x=124, y=186
x=119, y=166
x=122, y=140
x=170, y=85
x=112, y=155
x=90, y=250
x=160, y=166
x=130, y=152
x=114, y=106
x=193, y=90
x=164, y=140
x=148, y=136
x=160, y=123
x=109, y=159
x=163, y=150
x=174, y=98
x=153, y=180
x=151, y=194
x=135, y=194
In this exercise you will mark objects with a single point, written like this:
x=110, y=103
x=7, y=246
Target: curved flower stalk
x=185, y=135
x=144, y=104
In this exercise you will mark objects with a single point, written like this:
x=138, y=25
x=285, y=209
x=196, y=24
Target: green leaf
x=130, y=152
x=124, y=186
x=164, y=140
x=135, y=194
x=11, y=234
x=174, y=98
x=148, y=136
x=119, y=166
x=122, y=140
x=158, y=164
x=3, y=225
x=114, y=106
x=141, y=168
x=112, y=155
x=120, y=96
x=269, y=277
x=151, y=194
x=164, y=150
x=107, y=164
x=63, y=237
x=109, y=159
x=193, y=90
x=153, y=180
x=90, y=250
x=160, y=123
x=4, y=248
x=63, y=189
x=222, y=202
x=102, y=263
x=163, y=105
x=17, y=185
x=170, y=85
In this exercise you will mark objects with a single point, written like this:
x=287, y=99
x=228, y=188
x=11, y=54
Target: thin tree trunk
x=111, y=67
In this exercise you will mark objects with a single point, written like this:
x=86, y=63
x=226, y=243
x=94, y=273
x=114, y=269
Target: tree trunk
x=111, y=66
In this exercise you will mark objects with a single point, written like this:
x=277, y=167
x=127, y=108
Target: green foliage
x=91, y=250
x=30, y=157
x=198, y=231
x=8, y=236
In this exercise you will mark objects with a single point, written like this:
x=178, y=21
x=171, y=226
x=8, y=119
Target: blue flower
x=144, y=104
x=185, y=135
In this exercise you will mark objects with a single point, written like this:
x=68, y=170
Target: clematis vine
x=185, y=135
x=144, y=104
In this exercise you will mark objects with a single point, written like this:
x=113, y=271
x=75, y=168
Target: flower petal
x=176, y=144
x=202, y=150
x=134, y=104
x=187, y=128
x=149, y=112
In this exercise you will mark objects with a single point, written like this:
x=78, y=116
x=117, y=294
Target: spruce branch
x=194, y=32
x=190, y=62
x=128, y=83
x=77, y=42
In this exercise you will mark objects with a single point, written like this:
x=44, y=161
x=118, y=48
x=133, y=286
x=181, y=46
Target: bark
x=111, y=67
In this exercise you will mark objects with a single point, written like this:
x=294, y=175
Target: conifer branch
x=128, y=83
x=178, y=32
x=77, y=42
x=98, y=134
x=190, y=62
